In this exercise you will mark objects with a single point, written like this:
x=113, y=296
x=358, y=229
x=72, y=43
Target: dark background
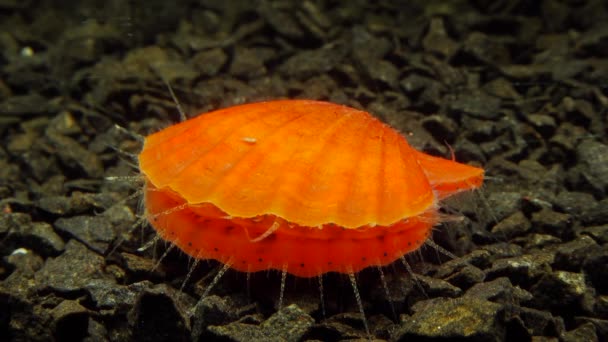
x=517, y=87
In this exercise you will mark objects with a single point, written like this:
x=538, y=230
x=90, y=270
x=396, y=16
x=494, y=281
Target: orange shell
x=308, y=162
x=328, y=182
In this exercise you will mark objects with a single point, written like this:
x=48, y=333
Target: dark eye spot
x=215, y=249
x=301, y=265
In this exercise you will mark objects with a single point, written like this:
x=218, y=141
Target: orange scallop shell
x=303, y=186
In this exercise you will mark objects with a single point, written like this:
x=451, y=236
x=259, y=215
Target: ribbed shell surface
x=308, y=162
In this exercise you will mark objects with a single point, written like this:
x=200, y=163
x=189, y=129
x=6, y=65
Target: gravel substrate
x=518, y=87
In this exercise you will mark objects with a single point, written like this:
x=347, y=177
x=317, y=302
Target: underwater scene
x=316, y=170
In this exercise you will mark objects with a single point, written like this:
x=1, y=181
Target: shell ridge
x=380, y=176
x=266, y=140
x=200, y=152
x=281, y=178
x=415, y=166
x=333, y=214
x=168, y=172
x=191, y=125
x=327, y=131
x=352, y=182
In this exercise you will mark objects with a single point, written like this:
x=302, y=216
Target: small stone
x=504, y=204
x=72, y=152
x=246, y=64
x=460, y=318
x=544, y=124
x=541, y=323
x=95, y=231
x=584, y=332
x=70, y=320
x=25, y=106
x=598, y=233
x=560, y=290
x=22, y=232
x=72, y=270
x=553, y=223
x=573, y=202
x=499, y=290
x=159, y=315
x=436, y=287
x=437, y=40
x=477, y=104
x=596, y=267
x=210, y=62
x=107, y=295
x=65, y=124
x=524, y=269
x=596, y=214
x=514, y=225
x=486, y=49
x=593, y=166
x=279, y=20
x=313, y=62
x=288, y=324
x=571, y=255
x=441, y=127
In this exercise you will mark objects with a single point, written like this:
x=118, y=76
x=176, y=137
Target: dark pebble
x=584, y=332
x=246, y=64
x=460, y=318
x=596, y=213
x=437, y=287
x=597, y=233
x=504, y=204
x=593, y=166
x=73, y=153
x=574, y=202
x=97, y=232
x=571, y=255
x=209, y=62
x=77, y=203
x=562, y=290
x=514, y=225
x=499, y=290
x=158, y=315
x=19, y=231
x=550, y=222
x=596, y=267
x=437, y=39
x=71, y=271
x=441, y=127
x=522, y=270
x=118, y=299
x=18, y=283
x=312, y=62
x=541, y=323
x=280, y=20
x=288, y=324
x=70, y=321
x=477, y=104
x=544, y=124
x=26, y=106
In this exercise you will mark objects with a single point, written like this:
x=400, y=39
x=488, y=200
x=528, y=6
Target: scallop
x=306, y=187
